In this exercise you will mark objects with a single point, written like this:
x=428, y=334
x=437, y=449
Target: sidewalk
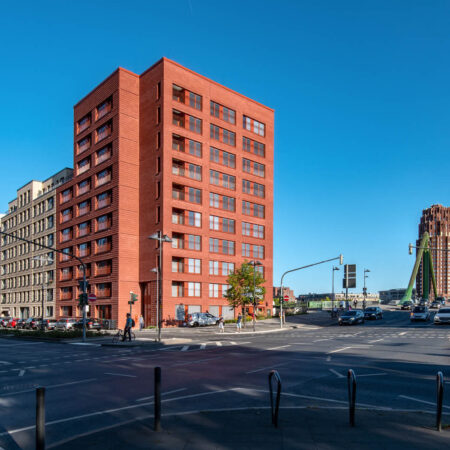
x=303, y=428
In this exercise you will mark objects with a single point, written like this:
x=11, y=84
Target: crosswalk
x=205, y=345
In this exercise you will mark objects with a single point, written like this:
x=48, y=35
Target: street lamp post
x=332, y=290
x=254, y=264
x=341, y=260
x=364, y=289
x=156, y=270
x=158, y=236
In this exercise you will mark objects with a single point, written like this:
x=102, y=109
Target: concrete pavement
x=299, y=428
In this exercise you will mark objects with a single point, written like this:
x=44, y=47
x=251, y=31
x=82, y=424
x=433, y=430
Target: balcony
x=178, y=194
x=104, y=270
x=83, y=124
x=84, y=251
x=104, y=225
x=178, y=168
x=178, y=118
x=177, y=143
x=65, y=275
x=83, y=188
x=103, y=177
x=66, y=294
x=103, y=155
x=103, y=202
x=103, y=292
x=104, y=248
x=66, y=237
x=83, y=231
x=66, y=217
x=83, y=167
x=84, y=210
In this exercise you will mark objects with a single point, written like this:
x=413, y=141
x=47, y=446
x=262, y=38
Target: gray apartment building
x=27, y=271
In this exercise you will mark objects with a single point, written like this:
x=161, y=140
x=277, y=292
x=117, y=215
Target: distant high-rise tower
x=436, y=220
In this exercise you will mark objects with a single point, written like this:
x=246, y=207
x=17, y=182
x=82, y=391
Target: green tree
x=243, y=282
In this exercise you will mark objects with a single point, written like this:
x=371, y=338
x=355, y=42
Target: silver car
x=65, y=324
x=420, y=313
x=201, y=319
x=442, y=316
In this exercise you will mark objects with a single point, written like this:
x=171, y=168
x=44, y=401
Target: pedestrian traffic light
x=133, y=297
x=82, y=300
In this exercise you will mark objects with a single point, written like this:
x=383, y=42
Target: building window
x=84, y=123
x=214, y=200
x=103, y=200
x=194, y=242
x=213, y=223
x=195, y=124
x=83, y=166
x=83, y=208
x=213, y=290
x=104, y=108
x=83, y=187
x=66, y=234
x=103, y=222
x=214, y=267
x=104, y=131
x=66, y=214
x=178, y=216
x=222, y=112
x=66, y=195
x=250, y=145
x=227, y=247
x=193, y=289
x=103, y=155
x=195, y=148
x=84, y=144
x=83, y=249
x=249, y=187
x=177, y=289
x=228, y=225
x=177, y=265
x=245, y=249
x=253, y=125
x=194, y=265
x=252, y=209
x=103, y=177
x=214, y=245
x=83, y=229
x=194, y=172
x=195, y=101
x=194, y=219
x=195, y=195
x=227, y=268
x=258, y=251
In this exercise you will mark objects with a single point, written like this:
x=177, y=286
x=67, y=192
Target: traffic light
x=341, y=259
x=82, y=300
x=133, y=297
x=410, y=249
x=84, y=286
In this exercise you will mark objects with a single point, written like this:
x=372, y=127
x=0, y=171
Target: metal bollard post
x=157, y=398
x=439, y=399
x=351, y=384
x=275, y=410
x=40, y=418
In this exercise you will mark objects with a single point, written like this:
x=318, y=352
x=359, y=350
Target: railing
x=104, y=271
x=103, y=111
x=351, y=384
x=274, y=410
x=82, y=169
x=83, y=189
x=103, y=157
x=104, y=202
x=83, y=126
x=66, y=295
x=104, y=179
x=103, y=248
x=103, y=225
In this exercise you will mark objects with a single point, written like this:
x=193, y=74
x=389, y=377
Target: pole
x=346, y=289
x=157, y=301
x=159, y=287
x=42, y=320
x=157, y=398
x=84, y=300
x=281, y=303
x=332, y=292
x=40, y=418
x=254, y=300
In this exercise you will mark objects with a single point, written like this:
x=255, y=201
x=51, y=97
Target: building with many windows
x=172, y=151
x=436, y=221
x=27, y=272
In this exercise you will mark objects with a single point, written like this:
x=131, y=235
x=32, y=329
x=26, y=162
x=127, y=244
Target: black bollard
x=157, y=398
x=439, y=399
x=40, y=419
x=351, y=384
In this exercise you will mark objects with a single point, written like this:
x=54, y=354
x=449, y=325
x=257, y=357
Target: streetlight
x=48, y=260
x=332, y=290
x=254, y=264
x=341, y=261
x=158, y=236
x=364, y=289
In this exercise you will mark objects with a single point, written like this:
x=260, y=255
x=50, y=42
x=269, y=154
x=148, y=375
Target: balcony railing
x=83, y=252
x=66, y=198
x=83, y=231
x=83, y=189
x=103, y=157
x=66, y=237
x=103, y=248
x=65, y=276
x=104, y=202
x=103, y=225
x=104, y=292
x=83, y=126
x=66, y=218
x=106, y=270
x=66, y=295
x=104, y=179
x=103, y=110
x=84, y=146
x=83, y=211
x=82, y=169
x=178, y=195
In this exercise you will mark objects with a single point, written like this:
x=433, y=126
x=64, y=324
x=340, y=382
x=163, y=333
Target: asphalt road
x=93, y=387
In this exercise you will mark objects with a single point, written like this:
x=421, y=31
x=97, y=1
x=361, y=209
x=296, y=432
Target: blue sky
x=360, y=91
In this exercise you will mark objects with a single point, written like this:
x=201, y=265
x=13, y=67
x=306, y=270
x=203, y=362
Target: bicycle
x=119, y=336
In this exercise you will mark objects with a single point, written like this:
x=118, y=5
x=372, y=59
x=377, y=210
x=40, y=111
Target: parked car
x=91, y=324
x=424, y=302
x=31, y=324
x=442, y=316
x=407, y=305
x=65, y=324
x=4, y=321
x=420, y=313
x=20, y=323
x=351, y=317
x=201, y=319
x=50, y=324
x=373, y=312
x=12, y=323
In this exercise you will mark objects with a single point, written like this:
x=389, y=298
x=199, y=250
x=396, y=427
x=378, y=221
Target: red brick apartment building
x=172, y=151
x=436, y=220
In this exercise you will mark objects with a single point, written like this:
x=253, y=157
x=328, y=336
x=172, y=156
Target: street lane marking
x=422, y=401
x=402, y=333
x=232, y=343
x=186, y=347
x=376, y=340
x=336, y=373
x=371, y=375
x=320, y=340
x=120, y=375
x=202, y=346
x=48, y=387
x=22, y=373
x=195, y=361
x=266, y=368
x=7, y=363
x=219, y=344
x=338, y=350
x=164, y=393
x=276, y=348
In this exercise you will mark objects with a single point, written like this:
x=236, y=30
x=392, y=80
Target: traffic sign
x=286, y=297
x=92, y=297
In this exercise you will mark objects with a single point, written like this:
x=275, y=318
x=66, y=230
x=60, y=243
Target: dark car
x=31, y=324
x=424, y=302
x=351, y=317
x=373, y=312
x=407, y=305
x=20, y=323
x=91, y=324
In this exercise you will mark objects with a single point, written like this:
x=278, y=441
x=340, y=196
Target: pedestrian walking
x=355, y=303
x=239, y=323
x=141, y=322
x=128, y=326
x=221, y=325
